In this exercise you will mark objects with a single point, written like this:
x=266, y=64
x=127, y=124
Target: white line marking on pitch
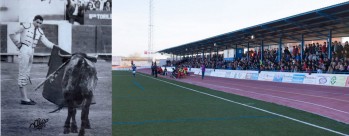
x=280, y=115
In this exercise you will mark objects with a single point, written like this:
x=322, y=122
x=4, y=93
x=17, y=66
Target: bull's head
x=91, y=58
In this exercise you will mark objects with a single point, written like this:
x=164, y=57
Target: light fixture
x=252, y=37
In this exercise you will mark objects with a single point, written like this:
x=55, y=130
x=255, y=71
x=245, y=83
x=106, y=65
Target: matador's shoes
x=31, y=102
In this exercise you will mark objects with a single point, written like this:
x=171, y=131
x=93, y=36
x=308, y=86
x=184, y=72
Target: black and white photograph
x=56, y=67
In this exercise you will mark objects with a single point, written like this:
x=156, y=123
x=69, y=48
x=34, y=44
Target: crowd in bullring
x=75, y=9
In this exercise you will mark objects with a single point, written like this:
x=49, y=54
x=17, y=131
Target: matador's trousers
x=25, y=58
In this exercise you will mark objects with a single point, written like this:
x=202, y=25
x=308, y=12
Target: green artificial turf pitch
x=145, y=106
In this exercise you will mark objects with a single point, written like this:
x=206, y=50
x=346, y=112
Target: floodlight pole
x=150, y=36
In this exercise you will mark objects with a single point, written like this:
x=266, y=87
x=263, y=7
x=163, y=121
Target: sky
x=177, y=22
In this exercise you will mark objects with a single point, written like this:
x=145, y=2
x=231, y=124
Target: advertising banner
x=298, y=78
x=262, y=76
x=287, y=78
x=323, y=79
x=278, y=77
x=254, y=76
x=249, y=76
x=232, y=74
x=269, y=76
x=337, y=80
x=227, y=74
x=208, y=72
x=97, y=17
x=310, y=79
x=241, y=75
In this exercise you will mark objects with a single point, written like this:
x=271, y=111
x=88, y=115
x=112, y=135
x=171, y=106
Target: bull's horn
x=63, y=56
x=93, y=57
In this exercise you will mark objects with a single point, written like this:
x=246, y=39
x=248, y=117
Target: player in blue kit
x=134, y=70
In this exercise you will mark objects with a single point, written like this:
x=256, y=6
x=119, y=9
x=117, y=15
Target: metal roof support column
x=226, y=48
x=203, y=56
x=248, y=54
x=329, y=44
x=302, y=47
x=280, y=50
x=210, y=55
x=192, y=54
x=236, y=51
x=262, y=50
x=216, y=57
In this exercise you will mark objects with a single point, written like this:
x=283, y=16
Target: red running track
x=331, y=102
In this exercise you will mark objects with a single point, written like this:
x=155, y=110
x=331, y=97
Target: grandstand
x=314, y=42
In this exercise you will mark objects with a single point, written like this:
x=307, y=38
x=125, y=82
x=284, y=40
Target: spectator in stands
x=346, y=46
x=97, y=5
x=335, y=46
x=319, y=69
x=323, y=49
x=317, y=49
x=287, y=52
x=331, y=68
x=294, y=51
x=30, y=34
x=107, y=6
x=90, y=6
x=75, y=10
x=341, y=68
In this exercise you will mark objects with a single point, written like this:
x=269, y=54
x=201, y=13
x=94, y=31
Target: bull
x=78, y=84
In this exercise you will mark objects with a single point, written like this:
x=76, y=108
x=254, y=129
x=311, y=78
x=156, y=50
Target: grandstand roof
x=314, y=25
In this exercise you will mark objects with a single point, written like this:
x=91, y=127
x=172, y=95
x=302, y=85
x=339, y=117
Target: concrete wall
x=71, y=38
x=91, y=39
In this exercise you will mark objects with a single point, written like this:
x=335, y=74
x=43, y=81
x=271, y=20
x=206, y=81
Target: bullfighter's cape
x=53, y=88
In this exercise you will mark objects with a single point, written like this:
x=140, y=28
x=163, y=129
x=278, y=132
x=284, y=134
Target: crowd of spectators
x=314, y=60
x=75, y=9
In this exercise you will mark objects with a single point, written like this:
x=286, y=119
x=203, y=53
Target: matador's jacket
x=29, y=37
